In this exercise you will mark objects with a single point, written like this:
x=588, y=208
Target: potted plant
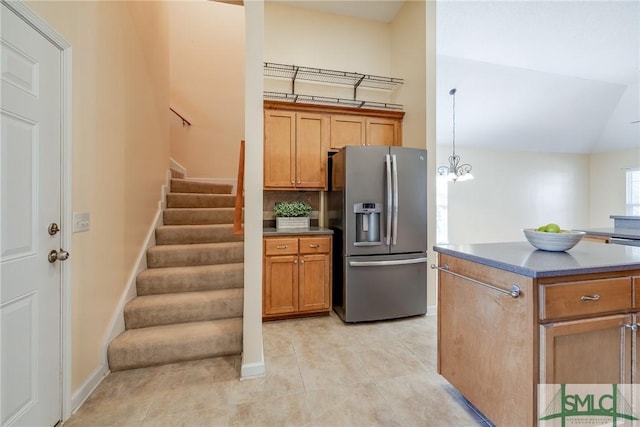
x=294, y=214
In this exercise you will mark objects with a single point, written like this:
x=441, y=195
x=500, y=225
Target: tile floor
x=320, y=372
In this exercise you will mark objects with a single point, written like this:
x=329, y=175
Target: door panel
x=412, y=200
x=281, y=287
x=279, y=149
x=315, y=278
x=312, y=135
x=365, y=181
x=30, y=295
x=375, y=292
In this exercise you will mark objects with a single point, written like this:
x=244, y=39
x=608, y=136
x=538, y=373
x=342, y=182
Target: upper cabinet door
x=279, y=149
x=312, y=141
x=347, y=130
x=382, y=131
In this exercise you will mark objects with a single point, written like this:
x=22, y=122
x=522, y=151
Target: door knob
x=58, y=255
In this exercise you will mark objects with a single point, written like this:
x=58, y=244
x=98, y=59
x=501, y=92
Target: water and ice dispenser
x=367, y=223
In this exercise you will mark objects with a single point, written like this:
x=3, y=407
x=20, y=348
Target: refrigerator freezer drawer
x=384, y=287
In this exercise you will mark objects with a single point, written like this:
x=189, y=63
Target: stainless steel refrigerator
x=377, y=208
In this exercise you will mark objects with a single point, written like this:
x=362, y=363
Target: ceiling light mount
x=455, y=171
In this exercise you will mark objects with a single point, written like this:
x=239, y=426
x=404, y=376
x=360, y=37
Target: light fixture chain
x=454, y=121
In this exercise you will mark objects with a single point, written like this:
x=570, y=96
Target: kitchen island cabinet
x=511, y=317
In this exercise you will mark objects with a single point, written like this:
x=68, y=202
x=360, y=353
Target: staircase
x=190, y=299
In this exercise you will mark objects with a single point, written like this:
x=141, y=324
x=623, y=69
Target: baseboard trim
x=252, y=371
x=177, y=166
x=116, y=325
x=432, y=310
x=84, y=391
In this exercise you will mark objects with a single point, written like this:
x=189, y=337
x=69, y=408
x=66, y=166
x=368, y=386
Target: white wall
x=515, y=190
x=252, y=351
x=608, y=182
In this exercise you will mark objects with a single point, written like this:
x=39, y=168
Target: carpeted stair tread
x=167, y=309
x=200, y=200
x=155, y=281
x=192, y=186
x=194, y=216
x=196, y=254
x=158, y=345
x=202, y=233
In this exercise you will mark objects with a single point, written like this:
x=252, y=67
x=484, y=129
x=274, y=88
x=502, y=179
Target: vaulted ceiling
x=555, y=76
x=549, y=76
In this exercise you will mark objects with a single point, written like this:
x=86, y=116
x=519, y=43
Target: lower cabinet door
x=589, y=351
x=315, y=280
x=281, y=285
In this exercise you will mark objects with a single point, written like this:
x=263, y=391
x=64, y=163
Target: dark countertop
x=522, y=258
x=272, y=231
x=623, y=233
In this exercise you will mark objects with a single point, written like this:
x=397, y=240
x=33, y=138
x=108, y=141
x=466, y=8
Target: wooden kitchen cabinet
x=575, y=322
x=360, y=130
x=295, y=150
x=587, y=351
x=569, y=329
x=347, y=130
x=381, y=131
x=297, y=276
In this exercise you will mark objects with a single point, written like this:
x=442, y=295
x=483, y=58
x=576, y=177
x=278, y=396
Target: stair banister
x=184, y=120
x=237, y=216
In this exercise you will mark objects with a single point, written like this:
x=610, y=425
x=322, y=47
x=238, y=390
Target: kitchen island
x=511, y=317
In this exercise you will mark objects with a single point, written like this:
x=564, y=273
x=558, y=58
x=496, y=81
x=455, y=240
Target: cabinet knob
x=314, y=246
x=299, y=182
x=295, y=261
x=301, y=261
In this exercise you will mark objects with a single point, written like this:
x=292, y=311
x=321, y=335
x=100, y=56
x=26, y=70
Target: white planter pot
x=283, y=223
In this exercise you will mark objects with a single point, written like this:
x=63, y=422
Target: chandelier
x=455, y=171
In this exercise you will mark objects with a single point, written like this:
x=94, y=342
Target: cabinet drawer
x=281, y=246
x=573, y=299
x=315, y=245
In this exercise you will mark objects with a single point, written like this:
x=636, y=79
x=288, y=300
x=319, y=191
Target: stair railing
x=184, y=120
x=237, y=215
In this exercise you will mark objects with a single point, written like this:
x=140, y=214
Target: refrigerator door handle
x=394, y=232
x=388, y=206
x=390, y=262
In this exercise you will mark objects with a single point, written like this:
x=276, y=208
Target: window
x=633, y=192
x=442, y=223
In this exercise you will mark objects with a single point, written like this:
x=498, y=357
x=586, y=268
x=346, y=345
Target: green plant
x=291, y=209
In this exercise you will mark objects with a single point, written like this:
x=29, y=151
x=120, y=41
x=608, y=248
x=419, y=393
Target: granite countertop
x=522, y=258
x=272, y=231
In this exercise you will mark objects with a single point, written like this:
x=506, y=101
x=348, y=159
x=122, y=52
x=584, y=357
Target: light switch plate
x=81, y=221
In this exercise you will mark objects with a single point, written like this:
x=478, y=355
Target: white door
x=30, y=292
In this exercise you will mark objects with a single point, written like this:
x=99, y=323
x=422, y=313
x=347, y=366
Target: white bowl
x=554, y=242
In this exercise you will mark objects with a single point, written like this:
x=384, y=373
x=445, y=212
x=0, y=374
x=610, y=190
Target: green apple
x=552, y=228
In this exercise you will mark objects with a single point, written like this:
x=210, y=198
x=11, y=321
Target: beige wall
x=515, y=190
x=409, y=60
x=120, y=152
x=296, y=36
x=608, y=184
x=207, y=45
